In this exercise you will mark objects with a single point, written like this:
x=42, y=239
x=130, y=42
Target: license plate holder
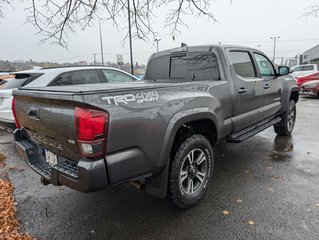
x=51, y=158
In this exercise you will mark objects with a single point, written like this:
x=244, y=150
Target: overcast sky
x=244, y=22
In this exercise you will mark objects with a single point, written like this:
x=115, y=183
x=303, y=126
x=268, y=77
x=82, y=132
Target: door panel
x=271, y=83
x=249, y=90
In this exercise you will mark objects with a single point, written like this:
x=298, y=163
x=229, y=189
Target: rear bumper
x=84, y=176
x=7, y=125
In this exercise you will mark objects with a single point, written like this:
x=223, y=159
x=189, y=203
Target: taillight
x=13, y=108
x=91, y=129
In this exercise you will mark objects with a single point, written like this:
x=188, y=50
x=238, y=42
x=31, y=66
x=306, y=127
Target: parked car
x=15, y=80
x=310, y=88
x=158, y=133
x=57, y=76
x=303, y=70
x=307, y=78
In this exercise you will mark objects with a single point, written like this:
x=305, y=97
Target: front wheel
x=191, y=171
x=287, y=123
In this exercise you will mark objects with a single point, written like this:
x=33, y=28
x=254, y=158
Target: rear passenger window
x=84, y=77
x=307, y=68
x=31, y=78
x=195, y=66
x=62, y=79
x=117, y=77
x=242, y=64
x=297, y=69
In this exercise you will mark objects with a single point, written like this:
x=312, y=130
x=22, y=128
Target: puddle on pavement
x=282, y=149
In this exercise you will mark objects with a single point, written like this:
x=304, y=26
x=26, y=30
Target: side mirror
x=283, y=70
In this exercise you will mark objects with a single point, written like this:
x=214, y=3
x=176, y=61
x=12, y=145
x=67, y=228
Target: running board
x=253, y=130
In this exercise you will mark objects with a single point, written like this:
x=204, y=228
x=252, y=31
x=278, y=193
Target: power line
x=227, y=42
x=269, y=41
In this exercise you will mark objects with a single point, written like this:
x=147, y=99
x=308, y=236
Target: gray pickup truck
x=158, y=134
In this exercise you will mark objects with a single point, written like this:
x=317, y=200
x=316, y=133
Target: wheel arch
x=157, y=185
x=294, y=95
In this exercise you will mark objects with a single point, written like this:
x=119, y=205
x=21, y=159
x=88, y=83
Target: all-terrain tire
x=191, y=171
x=285, y=127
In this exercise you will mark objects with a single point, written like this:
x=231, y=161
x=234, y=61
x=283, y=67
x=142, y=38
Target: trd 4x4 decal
x=138, y=98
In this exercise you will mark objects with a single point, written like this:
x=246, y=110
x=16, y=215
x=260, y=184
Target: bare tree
x=2, y=4
x=311, y=11
x=56, y=20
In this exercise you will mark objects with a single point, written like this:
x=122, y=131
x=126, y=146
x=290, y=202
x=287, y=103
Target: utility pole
x=94, y=58
x=130, y=33
x=275, y=39
x=157, y=40
x=101, y=42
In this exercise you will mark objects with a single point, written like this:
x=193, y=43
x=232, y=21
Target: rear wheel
x=191, y=171
x=287, y=123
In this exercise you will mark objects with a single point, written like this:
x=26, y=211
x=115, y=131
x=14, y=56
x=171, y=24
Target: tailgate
x=48, y=120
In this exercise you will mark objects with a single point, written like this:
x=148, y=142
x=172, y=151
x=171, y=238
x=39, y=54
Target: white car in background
x=16, y=80
x=56, y=76
x=303, y=70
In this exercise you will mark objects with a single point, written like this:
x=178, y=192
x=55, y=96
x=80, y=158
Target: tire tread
x=179, y=201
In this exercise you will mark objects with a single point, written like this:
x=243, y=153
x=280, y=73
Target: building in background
x=311, y=56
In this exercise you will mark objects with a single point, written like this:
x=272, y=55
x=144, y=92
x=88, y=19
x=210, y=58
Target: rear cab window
x=184, y=66
x=195, y=66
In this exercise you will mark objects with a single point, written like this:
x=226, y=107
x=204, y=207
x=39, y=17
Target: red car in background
x=307, y=78
x=310, y=88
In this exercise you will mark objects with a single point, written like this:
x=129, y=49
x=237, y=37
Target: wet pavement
x=268, y=185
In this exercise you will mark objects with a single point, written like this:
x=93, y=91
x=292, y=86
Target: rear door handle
x=266, y=86
x=242, y=90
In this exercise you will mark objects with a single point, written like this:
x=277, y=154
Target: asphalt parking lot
x=264, y=188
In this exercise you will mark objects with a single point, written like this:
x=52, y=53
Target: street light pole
x=101, y=42
x=157, y=40
x=130, y=33
x=274, y=55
